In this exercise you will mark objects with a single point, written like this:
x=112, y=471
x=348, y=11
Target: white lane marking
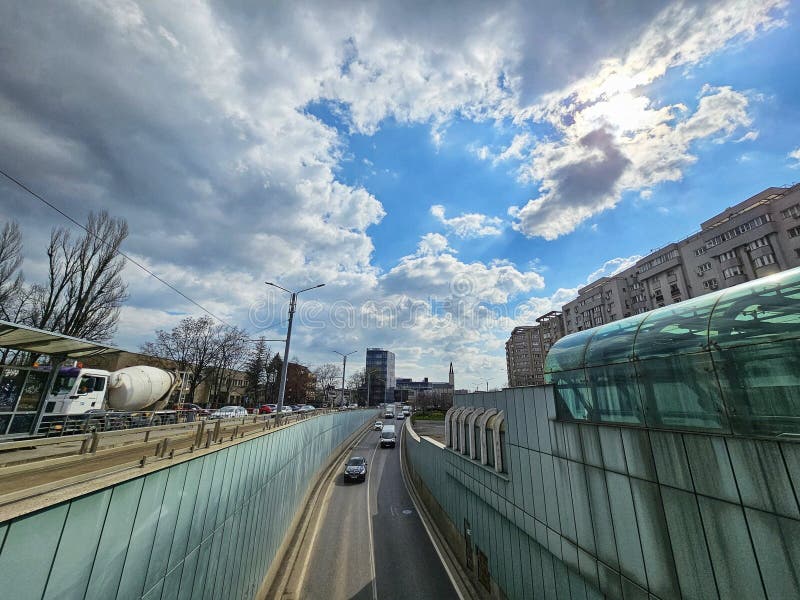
x=369, y=524
x=425, y=525
x=323, y=511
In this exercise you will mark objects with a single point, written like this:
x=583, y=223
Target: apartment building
x=754, y=238
x=527, y=348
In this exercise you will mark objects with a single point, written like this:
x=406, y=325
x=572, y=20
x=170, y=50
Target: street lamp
x=344, y=366
x=292, y=305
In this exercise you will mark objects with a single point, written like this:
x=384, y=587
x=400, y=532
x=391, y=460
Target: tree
x=256, y=369
x=14, y=295
x=273, y=372
x=230, y=354
x=326, y=376
x=192, y=345
x=357, y=384
x=299, y=383
x=84, y=289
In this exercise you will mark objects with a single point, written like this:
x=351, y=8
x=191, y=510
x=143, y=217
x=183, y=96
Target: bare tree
x=230, y=356
x=192, y=346
x=327, y=376
x=14, y=295
x=84, y=289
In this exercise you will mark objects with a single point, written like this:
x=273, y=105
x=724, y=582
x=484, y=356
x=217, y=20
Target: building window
x=794, y=232
x=703, y=268
x=732, y=272
x=763, y=261
x=700, y=251
x=792, y=211
x=726, y=255
x=711, y=284
x=759, y=243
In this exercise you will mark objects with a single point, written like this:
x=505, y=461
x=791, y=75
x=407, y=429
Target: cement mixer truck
x=82, y=399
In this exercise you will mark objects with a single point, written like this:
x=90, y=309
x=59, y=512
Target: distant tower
x=452, y=378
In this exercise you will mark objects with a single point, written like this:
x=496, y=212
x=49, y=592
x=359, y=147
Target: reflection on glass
x=616, y=397
x=761, y=387
x=4, y=421
x=681, y=392
x=572, y=395
x=10, y=386
x=32, y=392
x=63, y=384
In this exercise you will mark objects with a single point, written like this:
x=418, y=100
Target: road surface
x=371, y=544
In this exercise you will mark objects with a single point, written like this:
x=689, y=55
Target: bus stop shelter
x=24, y=389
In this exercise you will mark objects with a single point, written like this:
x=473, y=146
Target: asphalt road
x=399, y=564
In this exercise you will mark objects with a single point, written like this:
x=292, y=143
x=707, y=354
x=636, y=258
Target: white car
x=378, y=425
x=307, y=408
x=229, y=412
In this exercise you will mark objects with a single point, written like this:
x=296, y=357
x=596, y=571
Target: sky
x=449, y=170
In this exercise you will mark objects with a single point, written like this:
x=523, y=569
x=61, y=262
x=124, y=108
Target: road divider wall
x=208, y=527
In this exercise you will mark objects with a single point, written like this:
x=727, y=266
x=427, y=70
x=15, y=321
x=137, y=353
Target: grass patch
x=430, y=415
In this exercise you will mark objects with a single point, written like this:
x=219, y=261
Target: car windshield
x=356, y=461
x=387, y=434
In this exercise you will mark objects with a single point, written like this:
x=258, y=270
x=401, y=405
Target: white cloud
x=794, y=155
x=614, y=139
x=468, y=225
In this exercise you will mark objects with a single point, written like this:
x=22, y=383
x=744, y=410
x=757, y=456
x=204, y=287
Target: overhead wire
x=108, y=245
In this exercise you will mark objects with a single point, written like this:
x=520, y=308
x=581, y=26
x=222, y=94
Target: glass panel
x=765, y=310
x=4, y=421
x=22, y=423
x=568, y=352
x=10, y=386
x=616, y=396
x=681, y=392
x=571, y=395
x=677, y=329
x=32, y=392
x=613, y=342
x=760, y=385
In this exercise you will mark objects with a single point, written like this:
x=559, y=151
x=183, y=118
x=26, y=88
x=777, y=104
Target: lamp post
x=344, y=367
x=487, y=383
x=292, y=306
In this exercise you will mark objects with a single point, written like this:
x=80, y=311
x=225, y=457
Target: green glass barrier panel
x=615, y=394
x=681, y=392
x=573, y=400
x=761, y=386
x=568, y=352
x=762, y=311
x=678, y=329
x=613, y=343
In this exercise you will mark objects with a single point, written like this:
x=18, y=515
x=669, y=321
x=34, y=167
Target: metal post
x=344, y=368
x=282, y=388
x=56, y=361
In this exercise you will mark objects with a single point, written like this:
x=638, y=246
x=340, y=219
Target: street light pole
x=284, y=368
x=344, y=368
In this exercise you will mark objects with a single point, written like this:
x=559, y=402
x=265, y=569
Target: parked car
x=195, y=408
x=356, y=469
x=307, y=408
x=378, y=425
x=266, y=409
x=229, y=412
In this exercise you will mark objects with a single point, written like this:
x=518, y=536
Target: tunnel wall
x=206, y=528
x=586, y=511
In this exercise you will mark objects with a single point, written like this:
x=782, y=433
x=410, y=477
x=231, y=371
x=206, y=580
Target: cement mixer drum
x=136, y=388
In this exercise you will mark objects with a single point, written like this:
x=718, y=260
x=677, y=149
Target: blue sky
x=450, y=171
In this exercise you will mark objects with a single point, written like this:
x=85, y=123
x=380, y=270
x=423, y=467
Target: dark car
x=356, y=469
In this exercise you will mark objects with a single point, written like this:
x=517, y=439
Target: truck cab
x=76, y=391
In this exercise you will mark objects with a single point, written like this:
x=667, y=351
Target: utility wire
x=120, y=252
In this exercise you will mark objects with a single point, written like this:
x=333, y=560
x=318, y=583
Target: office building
x=380, y=367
